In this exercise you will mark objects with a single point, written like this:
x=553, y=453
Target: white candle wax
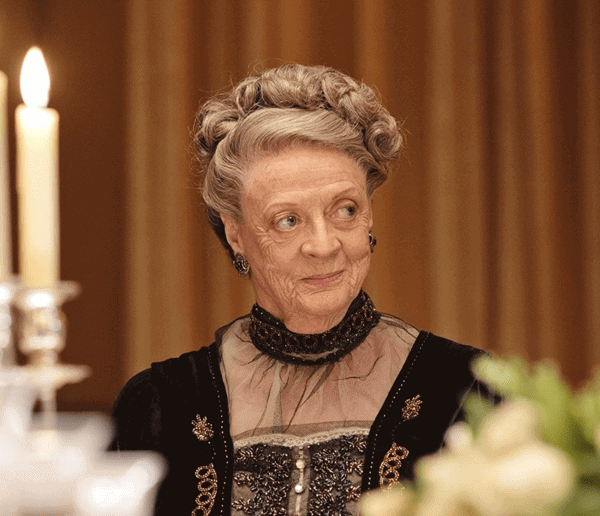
x=37, y=169
x=5, y=248
x=37, y=180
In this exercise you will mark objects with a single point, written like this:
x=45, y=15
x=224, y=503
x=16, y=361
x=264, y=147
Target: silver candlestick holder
x=56, y=463
x=43, y=330
x=7, y=323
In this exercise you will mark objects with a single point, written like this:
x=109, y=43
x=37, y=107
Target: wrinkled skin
x=305, y=227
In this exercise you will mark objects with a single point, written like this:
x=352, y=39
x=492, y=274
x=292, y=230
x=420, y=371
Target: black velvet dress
x=286, y=454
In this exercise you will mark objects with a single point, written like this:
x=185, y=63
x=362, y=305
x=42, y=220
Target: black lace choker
x=270, y=335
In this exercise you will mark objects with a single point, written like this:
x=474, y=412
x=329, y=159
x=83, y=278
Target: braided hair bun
x=282, y=107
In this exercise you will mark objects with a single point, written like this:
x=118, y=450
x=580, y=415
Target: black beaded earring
x=372, y=241
x=241, y=264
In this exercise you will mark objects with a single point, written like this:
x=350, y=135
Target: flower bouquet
x=537, y=453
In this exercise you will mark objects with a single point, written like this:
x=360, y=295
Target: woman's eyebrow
x=292, y=203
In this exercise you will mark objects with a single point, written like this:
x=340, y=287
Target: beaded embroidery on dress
x=271, y=336
x=299, y=427
x=318, y=479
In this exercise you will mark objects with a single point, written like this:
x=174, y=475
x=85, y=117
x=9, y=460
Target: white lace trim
x=292, y=441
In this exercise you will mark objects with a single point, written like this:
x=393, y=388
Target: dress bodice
x=316, y=475
x=181, y=408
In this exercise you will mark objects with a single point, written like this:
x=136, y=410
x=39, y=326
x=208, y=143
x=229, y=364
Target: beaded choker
x=270, y=335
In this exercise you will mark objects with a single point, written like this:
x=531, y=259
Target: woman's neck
x=299, y=320
x=309, y=326
x=271, y=336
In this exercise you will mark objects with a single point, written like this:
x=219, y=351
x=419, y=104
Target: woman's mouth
x=324, y=279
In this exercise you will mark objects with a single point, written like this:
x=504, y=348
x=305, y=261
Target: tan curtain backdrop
x=489, y=230
x=512, y=136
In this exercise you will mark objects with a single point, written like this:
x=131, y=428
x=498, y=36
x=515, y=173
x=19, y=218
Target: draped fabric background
x=488, y=230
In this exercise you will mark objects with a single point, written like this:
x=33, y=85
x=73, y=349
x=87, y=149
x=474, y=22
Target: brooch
x=203, y=430
x=411, y=408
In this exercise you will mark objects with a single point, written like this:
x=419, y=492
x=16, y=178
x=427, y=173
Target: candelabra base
x=42, y=339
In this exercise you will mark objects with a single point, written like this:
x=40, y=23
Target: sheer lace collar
x=270, y=335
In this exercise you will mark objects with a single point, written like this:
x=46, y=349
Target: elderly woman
x=315, y=396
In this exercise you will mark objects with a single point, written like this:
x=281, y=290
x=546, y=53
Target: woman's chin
x=328, y=302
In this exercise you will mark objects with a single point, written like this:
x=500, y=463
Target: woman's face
x=306, y=220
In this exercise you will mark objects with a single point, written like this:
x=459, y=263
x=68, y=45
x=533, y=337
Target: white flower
x=510, y=425
x=384, y=502
x=459, y=437
x=506, y=471
x=453, y=480
x=533, y=476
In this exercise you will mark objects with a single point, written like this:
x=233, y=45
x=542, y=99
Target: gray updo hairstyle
x=277, y=109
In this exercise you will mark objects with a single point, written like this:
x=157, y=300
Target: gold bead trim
x=389, y=470
x=411, y=408
x=203, y=430
x=207, y=488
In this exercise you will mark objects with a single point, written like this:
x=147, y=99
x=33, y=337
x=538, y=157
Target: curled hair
x=278, y=109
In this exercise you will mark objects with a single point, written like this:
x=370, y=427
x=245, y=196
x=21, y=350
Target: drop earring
x=241, y=264
x=372, y=241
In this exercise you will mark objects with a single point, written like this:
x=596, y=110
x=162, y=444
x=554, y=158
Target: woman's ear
x=232, y=233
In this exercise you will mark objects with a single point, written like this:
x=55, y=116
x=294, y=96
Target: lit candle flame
x=35, y=81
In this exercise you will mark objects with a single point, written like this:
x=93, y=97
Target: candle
x=37, y=176
x=5, y=249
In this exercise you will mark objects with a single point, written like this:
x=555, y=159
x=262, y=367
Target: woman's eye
x=347, y=212
x=286, y=223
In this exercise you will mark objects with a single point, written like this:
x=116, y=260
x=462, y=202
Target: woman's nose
x=321, y=241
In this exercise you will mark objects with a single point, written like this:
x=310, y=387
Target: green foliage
x=476, y=409
x=585, y=501
x=586, y=408
x=568, y=421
